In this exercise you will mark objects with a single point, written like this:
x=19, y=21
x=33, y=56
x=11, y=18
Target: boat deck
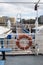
x=24, y=60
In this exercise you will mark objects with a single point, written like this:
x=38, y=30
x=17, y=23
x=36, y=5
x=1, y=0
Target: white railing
x=11, y=43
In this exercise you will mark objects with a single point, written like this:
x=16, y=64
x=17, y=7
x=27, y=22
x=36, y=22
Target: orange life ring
x=24, y=36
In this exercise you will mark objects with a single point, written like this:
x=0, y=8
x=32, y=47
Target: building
x=12, y=21
x=4, y=19
x=40, y=19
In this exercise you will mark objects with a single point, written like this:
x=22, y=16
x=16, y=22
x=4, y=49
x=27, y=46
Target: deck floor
x=24, y=60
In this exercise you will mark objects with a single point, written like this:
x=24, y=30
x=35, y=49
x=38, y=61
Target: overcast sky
x=20, y=0
x=26, y=10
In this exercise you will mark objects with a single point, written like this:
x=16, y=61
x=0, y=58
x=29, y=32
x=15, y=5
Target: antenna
x=36, y=23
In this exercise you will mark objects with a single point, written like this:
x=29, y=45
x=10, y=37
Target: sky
x=26, y=10
x=20, y=0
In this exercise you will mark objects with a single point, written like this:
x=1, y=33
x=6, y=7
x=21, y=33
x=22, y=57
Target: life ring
x=29, y=43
